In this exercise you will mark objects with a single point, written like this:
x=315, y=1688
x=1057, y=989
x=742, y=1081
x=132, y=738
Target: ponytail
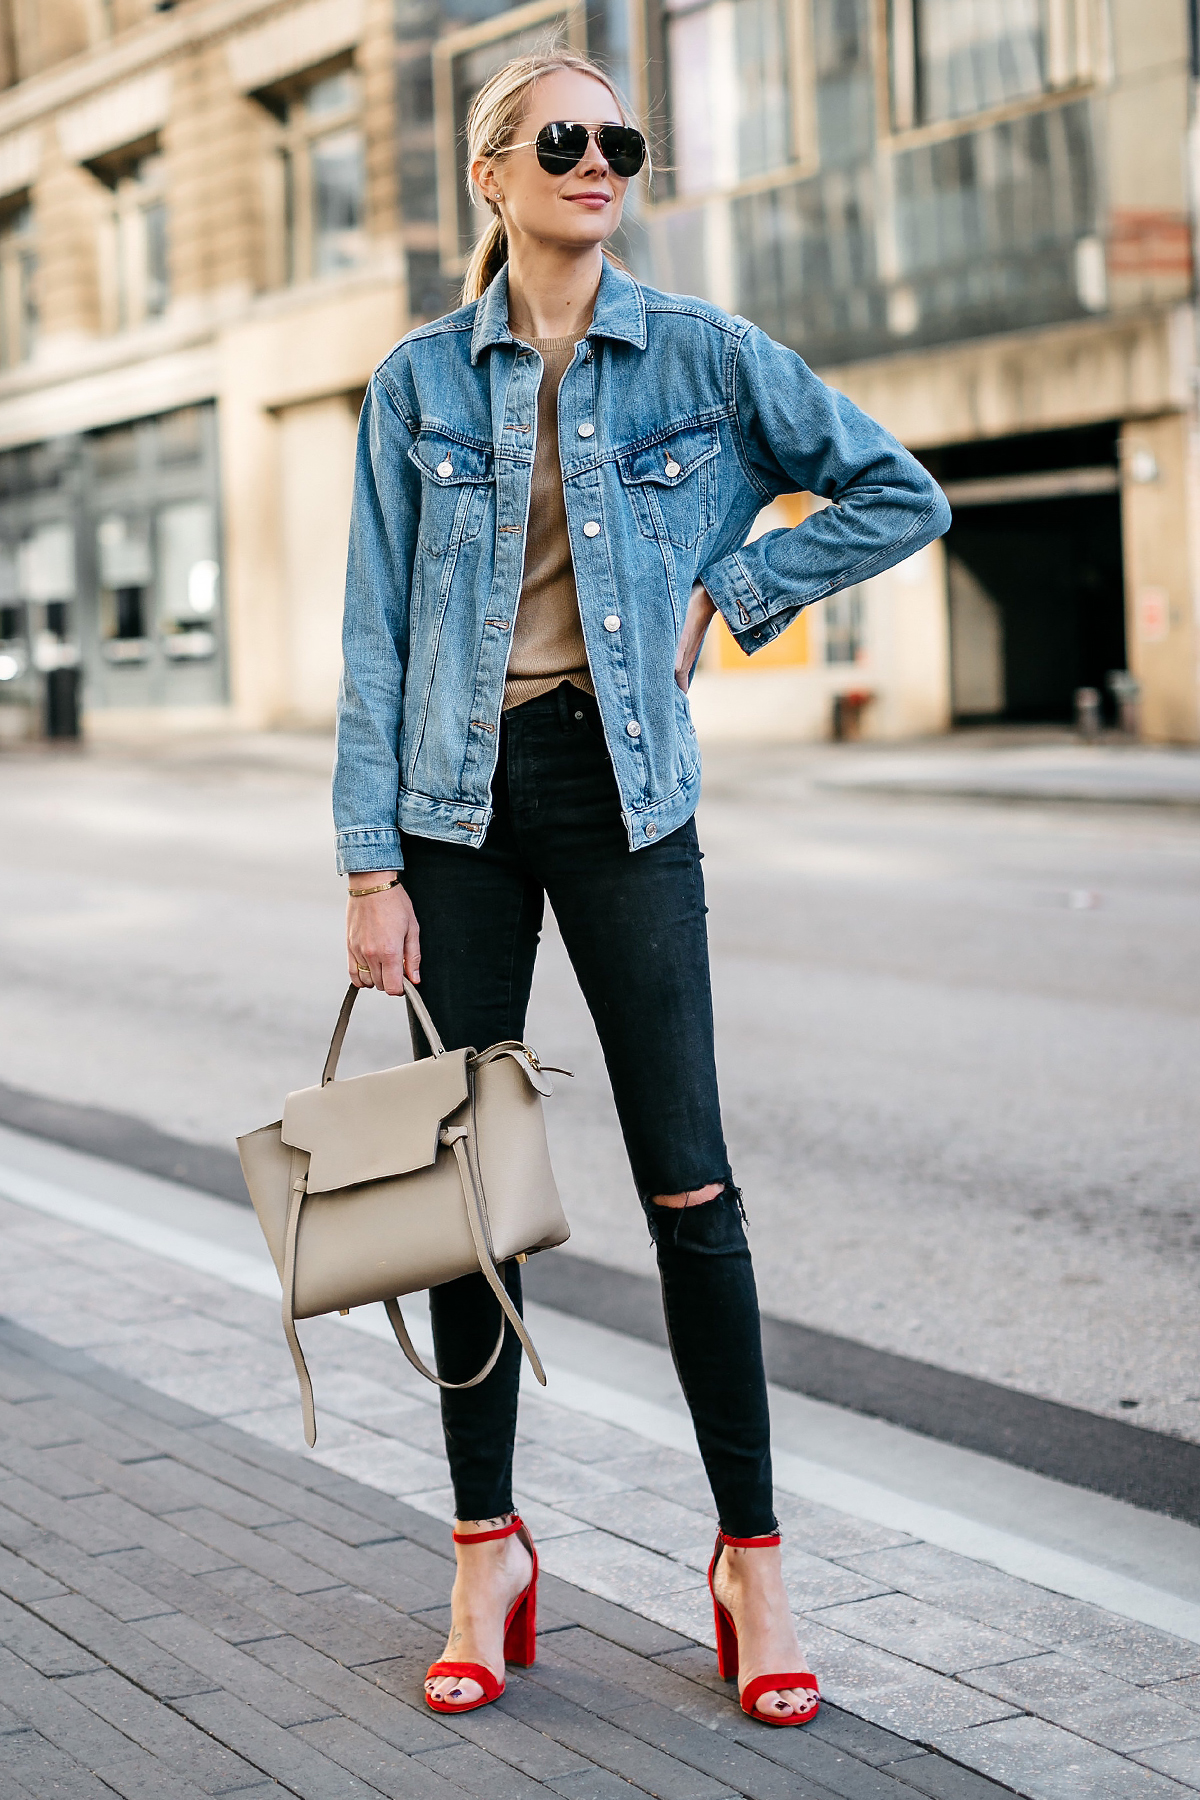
x=487, y=259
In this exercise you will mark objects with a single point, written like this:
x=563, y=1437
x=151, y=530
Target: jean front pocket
x=670, y=483
x=457, y=482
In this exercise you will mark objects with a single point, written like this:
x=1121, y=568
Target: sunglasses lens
x=623, y=148
x=561, y=146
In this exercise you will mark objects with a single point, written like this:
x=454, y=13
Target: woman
x=596, y=451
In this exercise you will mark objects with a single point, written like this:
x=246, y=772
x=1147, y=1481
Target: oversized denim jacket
x=677, y=424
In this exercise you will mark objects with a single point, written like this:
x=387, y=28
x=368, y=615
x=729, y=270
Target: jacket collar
x=620, y=312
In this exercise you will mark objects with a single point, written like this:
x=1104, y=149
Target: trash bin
x=62, y=703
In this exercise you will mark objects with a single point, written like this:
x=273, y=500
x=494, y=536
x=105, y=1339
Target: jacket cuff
x=364, y=848
x=734, y=593
x=741, y=605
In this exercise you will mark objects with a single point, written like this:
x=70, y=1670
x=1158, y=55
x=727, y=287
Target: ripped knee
x=690, y=1196
x=714, y=1224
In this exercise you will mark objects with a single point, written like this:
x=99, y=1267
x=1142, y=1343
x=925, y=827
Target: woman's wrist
x=375, y=881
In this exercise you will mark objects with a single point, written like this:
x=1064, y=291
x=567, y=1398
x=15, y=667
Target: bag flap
x=373, y=1126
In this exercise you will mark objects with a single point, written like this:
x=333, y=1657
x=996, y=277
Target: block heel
x=520, y=1631
x=727, y=1647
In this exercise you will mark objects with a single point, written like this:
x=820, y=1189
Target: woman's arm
x=382, y=937
x=375, y=623
x=797, y=435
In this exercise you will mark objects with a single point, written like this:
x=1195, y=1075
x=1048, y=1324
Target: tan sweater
x=547, y=644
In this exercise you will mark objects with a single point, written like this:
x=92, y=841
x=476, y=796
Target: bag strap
x=416, y=1007
x=455, y=1138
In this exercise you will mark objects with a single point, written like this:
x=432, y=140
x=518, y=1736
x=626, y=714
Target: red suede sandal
x=520, y=1631
x=727, y=1647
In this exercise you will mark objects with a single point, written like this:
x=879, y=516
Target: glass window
x=953, y=58
x=135, y=249
x=188, y=580
x=845, y=81
x=18, y=286
x=337, y=201
x=318, y=171
x=125, y=570
x=725, y=130
x=154, y=225
x=845, y=626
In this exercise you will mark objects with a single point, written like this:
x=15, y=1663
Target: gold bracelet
x=361, y=893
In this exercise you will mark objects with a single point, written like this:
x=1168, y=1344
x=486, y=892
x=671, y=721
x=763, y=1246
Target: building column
x=1160, y=521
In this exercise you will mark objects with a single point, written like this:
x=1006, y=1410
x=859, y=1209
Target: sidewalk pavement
x=196, y=1607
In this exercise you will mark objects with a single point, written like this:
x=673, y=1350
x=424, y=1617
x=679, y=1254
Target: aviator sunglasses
x=562, y=144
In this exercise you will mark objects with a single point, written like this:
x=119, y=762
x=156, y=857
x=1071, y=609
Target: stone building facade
x=978, y=220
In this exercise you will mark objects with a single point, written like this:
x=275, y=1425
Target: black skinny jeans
x=634, y=927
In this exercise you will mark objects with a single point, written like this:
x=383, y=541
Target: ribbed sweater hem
x=522, y=688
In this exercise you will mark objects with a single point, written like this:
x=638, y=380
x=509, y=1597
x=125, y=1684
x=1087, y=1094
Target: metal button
x=633, y=728
x=672, y=468
x=586, y=430
x=651, y=831
x=612, y=623
x=445, y=468
x=592, y=528
x=579, y=715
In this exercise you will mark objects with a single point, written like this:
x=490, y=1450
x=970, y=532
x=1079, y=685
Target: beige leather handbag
x=387, y=1183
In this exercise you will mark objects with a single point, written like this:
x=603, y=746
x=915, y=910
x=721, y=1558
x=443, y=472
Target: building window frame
x=654, y=101
x=455, y=241
x=18, y=280
x=1077, y=57
x=297, y=132
x=135, y=236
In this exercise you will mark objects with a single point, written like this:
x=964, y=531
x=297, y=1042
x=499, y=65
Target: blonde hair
x=492, y=124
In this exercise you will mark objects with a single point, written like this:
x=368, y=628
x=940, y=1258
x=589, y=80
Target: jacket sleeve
x=796, y=434
x=375, y=625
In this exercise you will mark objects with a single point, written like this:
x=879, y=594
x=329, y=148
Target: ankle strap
x=757, y=1543
x=485, y=1537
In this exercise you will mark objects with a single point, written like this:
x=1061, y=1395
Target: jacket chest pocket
x=456, y=483
x=671, y=483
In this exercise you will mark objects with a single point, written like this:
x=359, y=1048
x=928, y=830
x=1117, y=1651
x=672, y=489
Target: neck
x=551, y=289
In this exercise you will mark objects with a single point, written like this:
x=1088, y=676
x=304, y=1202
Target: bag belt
x=455, y=1138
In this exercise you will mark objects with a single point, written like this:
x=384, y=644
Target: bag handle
x=416, y=1007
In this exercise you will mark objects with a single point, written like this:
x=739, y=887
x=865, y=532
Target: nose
x=594, y=161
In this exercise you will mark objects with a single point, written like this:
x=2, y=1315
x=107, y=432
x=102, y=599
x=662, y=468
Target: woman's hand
x=383, y=941
x=696, y=622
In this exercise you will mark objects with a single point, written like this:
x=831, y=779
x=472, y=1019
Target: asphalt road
x=958, y=1036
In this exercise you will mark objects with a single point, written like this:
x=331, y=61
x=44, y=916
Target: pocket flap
x=448, y=463
x=679, y=451
x=377, y=1125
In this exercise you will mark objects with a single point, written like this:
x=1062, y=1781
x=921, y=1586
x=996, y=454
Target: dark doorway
x=1036, y=584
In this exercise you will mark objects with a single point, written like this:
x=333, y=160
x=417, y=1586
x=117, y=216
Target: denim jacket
x=677, y=424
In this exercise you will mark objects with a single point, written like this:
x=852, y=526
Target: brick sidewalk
x=191, y=1610
x=950, y=1674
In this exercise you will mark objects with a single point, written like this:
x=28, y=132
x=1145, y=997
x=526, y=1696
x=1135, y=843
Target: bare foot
x=490, y=1579
x=749, y=1583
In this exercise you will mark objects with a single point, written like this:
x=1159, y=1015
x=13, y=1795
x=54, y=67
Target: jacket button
x=651, y=831
x=586, y=430
x=445, y=468
x=672, y=468
x=633, y=728
x=612, y=623
x=592, y=528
